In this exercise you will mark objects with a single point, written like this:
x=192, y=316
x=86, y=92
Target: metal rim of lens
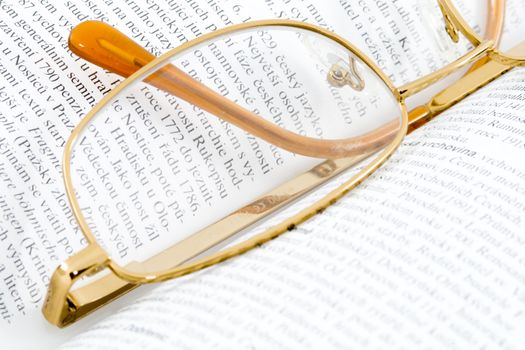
x=138, y=277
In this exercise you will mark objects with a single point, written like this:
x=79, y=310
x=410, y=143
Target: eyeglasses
x=145, y=167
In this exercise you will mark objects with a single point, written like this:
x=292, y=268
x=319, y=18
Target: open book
x=427, y=253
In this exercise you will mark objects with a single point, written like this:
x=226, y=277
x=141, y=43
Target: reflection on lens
x=152, y=168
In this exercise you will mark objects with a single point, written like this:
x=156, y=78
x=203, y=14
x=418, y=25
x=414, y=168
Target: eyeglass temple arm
x=108, y=48
x=64, y=305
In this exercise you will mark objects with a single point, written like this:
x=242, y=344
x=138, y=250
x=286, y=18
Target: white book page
x=426, y=254
x=43, y=95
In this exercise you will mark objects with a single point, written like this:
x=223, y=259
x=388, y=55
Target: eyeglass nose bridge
x=415, y=86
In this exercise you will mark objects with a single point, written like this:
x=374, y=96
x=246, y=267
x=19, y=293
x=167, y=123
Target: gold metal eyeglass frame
x=65, y=305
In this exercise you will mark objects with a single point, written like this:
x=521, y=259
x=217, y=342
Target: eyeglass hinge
x=60, y=308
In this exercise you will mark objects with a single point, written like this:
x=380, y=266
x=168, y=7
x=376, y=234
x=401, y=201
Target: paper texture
x=45, y=90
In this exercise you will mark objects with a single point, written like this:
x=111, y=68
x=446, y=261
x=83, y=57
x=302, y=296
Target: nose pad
x=343, y=74
x=450, y=27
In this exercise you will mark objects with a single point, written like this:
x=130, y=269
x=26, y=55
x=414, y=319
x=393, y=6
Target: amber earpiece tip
x=105, y=46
